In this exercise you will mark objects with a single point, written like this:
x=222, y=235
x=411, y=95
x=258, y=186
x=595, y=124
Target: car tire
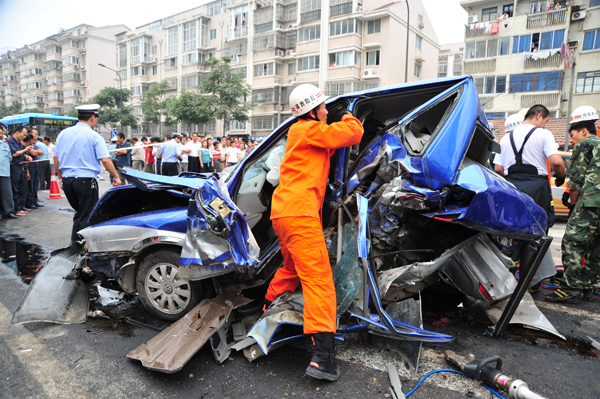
x=162, y=293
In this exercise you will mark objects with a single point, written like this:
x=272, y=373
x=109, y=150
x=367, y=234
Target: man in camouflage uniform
x=582, y=235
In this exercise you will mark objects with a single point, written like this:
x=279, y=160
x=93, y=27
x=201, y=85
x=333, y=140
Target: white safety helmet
x=491, y=125
x=584, y=113
x=304, y=98
x=513, y=122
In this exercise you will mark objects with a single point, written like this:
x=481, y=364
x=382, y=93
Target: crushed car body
x=414, y=204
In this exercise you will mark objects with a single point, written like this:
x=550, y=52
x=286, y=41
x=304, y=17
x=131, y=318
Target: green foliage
x=190, y=108
x=33, y=111
x=113, y=113
x=225, y=92
x=14, y=109
x=156, y=106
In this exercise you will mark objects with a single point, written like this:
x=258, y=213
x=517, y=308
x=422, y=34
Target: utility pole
x=566, y=145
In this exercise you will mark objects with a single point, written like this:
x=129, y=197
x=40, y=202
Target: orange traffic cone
x=54, y=190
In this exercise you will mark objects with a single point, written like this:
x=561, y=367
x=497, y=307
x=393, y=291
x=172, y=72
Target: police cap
x=176, y=136
x=88, y=109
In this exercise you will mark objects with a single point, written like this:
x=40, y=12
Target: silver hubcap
x=165, y=290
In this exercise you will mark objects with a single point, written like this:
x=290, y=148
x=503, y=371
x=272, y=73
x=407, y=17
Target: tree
x=226, y=92
x=155, y=106
x=112, y=114
x=33, y=111
x=190, y=108
x=14, y=109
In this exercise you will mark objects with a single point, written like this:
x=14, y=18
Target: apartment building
x=450, y=60
x=61, y=71
x=339, y=45
x=513, y=51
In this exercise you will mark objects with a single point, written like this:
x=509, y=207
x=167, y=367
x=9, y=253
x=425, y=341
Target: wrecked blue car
x=415, y=203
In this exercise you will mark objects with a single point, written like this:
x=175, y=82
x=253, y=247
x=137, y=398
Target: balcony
x=551, y=61
x=240, y=32
x=549, y=99
x=486, y=65
x=341, y=9
x=310, y=16
x=472, y=31
x=549, y=18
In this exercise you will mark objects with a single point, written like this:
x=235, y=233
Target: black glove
x=342, y=113
x=559, y=181
x=565, y=199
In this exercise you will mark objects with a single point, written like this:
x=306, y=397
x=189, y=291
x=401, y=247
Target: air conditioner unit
x=44, y=77
x=368, y=72
x=564, y=96
x=280, y=53
x=75, y=66
x=83, y=82
x=473, y=18
x=150, y=59
x=290, y=52
x=292, y=81
x=578, y=16
x=82, y=51
x=421, y=25
x=83, y=67
x=572, y=44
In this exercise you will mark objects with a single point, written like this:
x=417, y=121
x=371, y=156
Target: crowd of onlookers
x=195, y=153
x=26, y=161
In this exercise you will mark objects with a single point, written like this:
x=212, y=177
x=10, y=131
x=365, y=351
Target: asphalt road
x=88, y=360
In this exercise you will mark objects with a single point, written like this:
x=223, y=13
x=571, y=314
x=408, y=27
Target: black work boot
x=588, y=295
x=322, y=364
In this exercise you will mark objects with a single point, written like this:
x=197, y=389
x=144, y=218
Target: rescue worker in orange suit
x=296, y=213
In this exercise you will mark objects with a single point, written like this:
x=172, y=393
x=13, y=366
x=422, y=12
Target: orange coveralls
x=296, y=213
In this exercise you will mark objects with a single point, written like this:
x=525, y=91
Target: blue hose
x=554, y=287
x=450, y=371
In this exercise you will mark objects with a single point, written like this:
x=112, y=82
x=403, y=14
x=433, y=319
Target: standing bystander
x=137, y=154
x=6, y=197
x=17, y=172
x=171, y=152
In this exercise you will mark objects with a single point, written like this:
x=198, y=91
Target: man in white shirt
x=194, y=154
x=523, y=159
x=185, y=151
x=137, y=154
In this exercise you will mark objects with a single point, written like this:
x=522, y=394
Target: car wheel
x=162, y=292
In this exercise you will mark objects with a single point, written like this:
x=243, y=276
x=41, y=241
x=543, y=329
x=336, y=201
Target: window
x=291, y=68
x=594, y=3
x=373, y=57
x=262, y=123
x=490, y=84
x=587, y=82
x=213, y=34
x=189, y=36
x=591, y=40
x=136, y=110
x=70, y=60
x=344, y=58
x=135, y=51
x=417, y=70
x=123, y=74
x=189, y=81
x=489, y=14
x=268, y=69
x=418, y=41
x=214, y=8
x=264, y=96
x=154, y=69
x=154, y=49
x=241, y=71
x=309, y=33
x=308, y=63
x=171, y=63
x=138, y=70
x=521, y=44
x=443, y=69
x=188, y=59
x=344, y=27
x=154, y=28
x=457, y=66
x=374, y=27
x=136, y=91
x=235, y=125
x=262, y=28
x=486, y=48
x=339, y=88
x=122, y=55
x=508, y=9
x=171, y=41
x=540, y=81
